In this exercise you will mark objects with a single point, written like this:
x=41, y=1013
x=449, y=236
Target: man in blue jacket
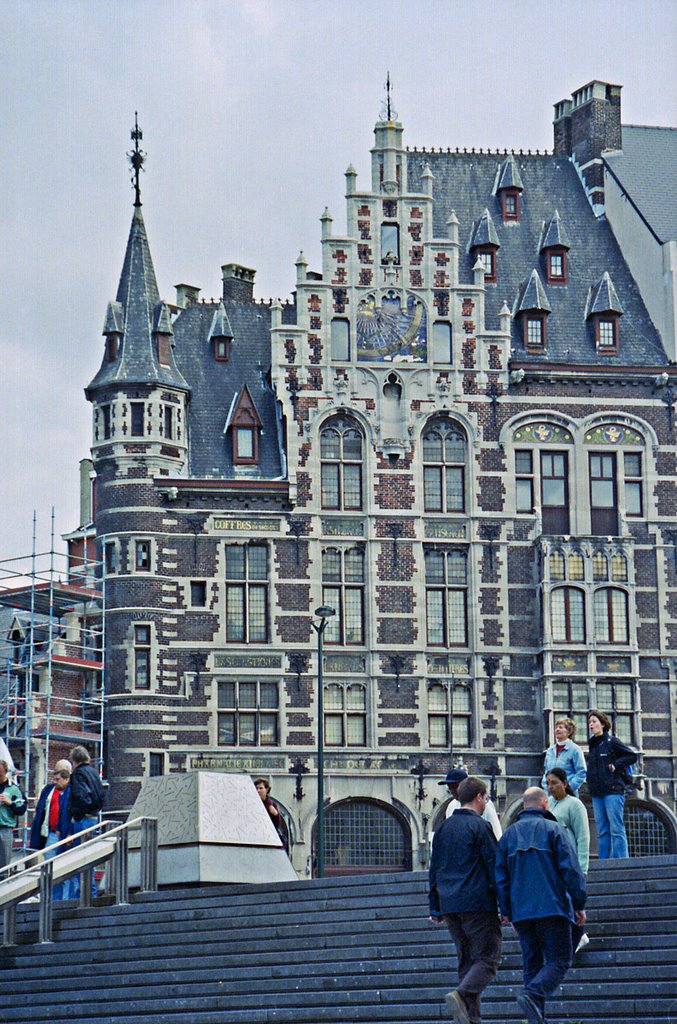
x=463, y=894
x=541, y=890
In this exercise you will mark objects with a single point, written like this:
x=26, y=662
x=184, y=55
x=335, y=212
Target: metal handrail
x=37, y=878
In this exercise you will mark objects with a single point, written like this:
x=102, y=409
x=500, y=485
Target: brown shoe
x=456, y=1003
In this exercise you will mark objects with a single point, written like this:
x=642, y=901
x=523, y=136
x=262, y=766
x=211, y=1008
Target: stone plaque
x=247, y=661
x=612, y=664
x=344, y=663
x=445, y=529
x=447, y=665
x=248, y=524
x=346, y=762
x=343, y=527
x=569, y=663
x=233, y=763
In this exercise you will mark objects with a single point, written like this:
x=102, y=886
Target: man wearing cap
x=463, y=895
x=454, y=778
x=52, y=821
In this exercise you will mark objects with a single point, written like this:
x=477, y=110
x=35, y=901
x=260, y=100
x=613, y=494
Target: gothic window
x=619, y=568
x=341, y=454
x=340, y=339
x=390, y=243
x=343, y=590
x=137, y=412
x=557, y=566
x=442, y=352
x=142, y=652
x=345, y=715
x=248, y=713
x=446, y=582
x=247, y=593
x=618, y=702
x=611, y=616
x=169, y=422
x=449, y=715
x=567, y=615
x=142, y=555
x=576, y=566
x=600, y=566
x=444, y=460
x=105, y=416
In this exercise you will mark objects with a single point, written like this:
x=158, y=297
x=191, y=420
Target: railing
x=108, y=842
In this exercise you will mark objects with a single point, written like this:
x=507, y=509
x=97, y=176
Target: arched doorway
x=649, y=834
x=365, y=837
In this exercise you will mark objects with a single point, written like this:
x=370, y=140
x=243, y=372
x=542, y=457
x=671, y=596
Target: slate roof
x=138, y=311
x=464, y=182
x=533, y=295
x=214, y=385
x=646, y=169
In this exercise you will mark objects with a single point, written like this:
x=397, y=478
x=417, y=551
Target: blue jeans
x=80, y=826
x=546, y=955
x=60, y=890
x=611, y=838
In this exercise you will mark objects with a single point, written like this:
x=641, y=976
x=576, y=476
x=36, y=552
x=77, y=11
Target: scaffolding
x=52, y=639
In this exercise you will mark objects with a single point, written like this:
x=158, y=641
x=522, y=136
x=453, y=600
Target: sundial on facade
x=388, y=330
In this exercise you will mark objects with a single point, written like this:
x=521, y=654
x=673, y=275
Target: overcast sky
x=251, y=111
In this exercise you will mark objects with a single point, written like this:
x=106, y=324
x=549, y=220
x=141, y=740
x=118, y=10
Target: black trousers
x=477, y=937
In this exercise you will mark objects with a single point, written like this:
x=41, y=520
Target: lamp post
x=323, y=614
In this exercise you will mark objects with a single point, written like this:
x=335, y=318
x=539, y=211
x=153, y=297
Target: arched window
x=557, y=566
x=567, y=615
x=364, y=837
x=576, y=566
x=444, y=459
x=341, y=454
x=600, y=566
x=648, y=833
x=611, y=616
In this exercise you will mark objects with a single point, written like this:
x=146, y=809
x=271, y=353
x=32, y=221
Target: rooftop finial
x=388, y=110
x=137, y=158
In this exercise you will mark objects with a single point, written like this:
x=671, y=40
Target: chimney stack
x=585, y=127
x=238, y=282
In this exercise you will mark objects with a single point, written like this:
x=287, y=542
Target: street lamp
x=323, y=614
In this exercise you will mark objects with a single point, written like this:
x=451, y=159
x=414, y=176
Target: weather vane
x=387, y=109
x=137, y=158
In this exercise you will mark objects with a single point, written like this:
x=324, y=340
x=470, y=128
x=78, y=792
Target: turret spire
x=137, y=158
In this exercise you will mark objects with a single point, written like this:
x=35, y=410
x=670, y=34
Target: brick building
x=459, y=435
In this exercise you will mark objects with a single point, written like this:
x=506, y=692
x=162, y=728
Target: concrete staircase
x=355, y=949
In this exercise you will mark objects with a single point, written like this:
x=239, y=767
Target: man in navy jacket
x=541, y=890
x=463, y=894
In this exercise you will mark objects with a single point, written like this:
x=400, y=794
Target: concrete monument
x=212, y=827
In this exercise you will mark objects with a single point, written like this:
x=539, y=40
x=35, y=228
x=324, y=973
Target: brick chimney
x=584, y=128
x=238, y=282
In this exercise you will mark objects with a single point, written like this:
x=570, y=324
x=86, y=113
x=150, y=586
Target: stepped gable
x=327, y=951
x=214, y=385
x=136, y=315
x=465, y=183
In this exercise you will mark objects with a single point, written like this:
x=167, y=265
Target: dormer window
x=222, y=349
x=245, y=448
x=606, y=334
x=112, y=347
x=510, y=204
x=487, y=257
x=535, y=331
x=556, y=266
x=163, y=349
x=245, y=426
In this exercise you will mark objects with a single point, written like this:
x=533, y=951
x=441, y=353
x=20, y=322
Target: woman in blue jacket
x=608, y=761
x=566, y=754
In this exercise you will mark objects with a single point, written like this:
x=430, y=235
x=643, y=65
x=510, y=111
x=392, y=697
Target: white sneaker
x=583, y=942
